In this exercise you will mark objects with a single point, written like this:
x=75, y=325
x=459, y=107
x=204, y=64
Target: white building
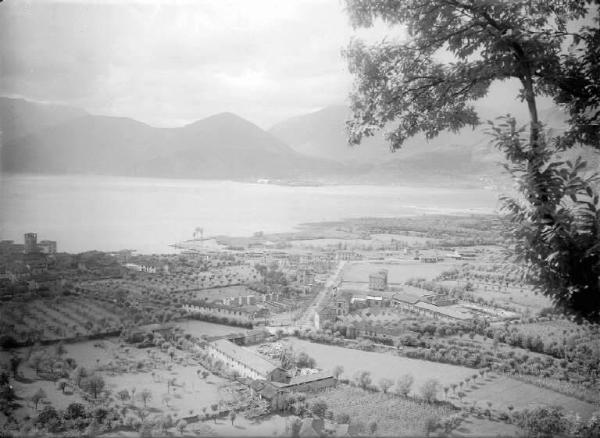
x=245, y=362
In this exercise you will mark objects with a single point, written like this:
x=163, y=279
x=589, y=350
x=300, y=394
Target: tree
x=431, y=424
x=342, y=418
x=145, y=396
x=170, y=383
x=372, y=427
x=429, y=390
x=294, y=427
x=15, y=361
x=35, y=361
x=544, y=421
x=74, y=411
x=318, y=408
x=123, y=395
x=385, y=384
x=450, y=423
x=338, y=371
x=37, y=397
x=60, y=349
x=363, y=379
x=93, y=385
x=79, y=374
x=303, y=360
x=62, y=385
x=4, y=378
x=47, y=418
x=180, y=426
x=591, y=429
x=404, y=384
x=555, y=224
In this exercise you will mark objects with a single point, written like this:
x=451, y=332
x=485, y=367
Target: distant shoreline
x=435, y=183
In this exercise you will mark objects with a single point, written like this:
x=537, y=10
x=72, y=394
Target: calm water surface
x=110, y=213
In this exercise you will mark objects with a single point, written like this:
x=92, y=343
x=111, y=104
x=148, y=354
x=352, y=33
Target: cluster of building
x=378, y=292
x=150, y=268
x=266, y=379
x=29, y=246
x=27, y=262
x=210, y=310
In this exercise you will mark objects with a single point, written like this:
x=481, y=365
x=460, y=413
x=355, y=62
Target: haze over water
x=110, y=213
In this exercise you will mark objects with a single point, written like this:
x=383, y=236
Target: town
x=408, y=326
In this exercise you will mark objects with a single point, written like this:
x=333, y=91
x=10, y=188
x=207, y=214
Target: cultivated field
x=177, y=389
x=395, y=416
x=59, y=318
x=561, y=330
x=522, y=298
x=397, y=273
x=161, y=283
x=381, y=365
x=219, y=293
x=200, y=328
x=503, y=391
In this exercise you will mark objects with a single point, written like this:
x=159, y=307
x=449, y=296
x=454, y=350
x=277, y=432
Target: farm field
x=398, y=416
x=59, y=318
x=221, y=292
x=522, y=298
x=221, y=277
x=135, y=370
x=379, y=364
x=559, y=329
x=503, y=391
x=198, y=328
x=189, y=392
x=397, y=273
x=478, y=427
x=395, y=416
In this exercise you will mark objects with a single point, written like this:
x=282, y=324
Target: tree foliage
x=429, y=390
x=406, y=84
x=544, y=422
x=404, y=384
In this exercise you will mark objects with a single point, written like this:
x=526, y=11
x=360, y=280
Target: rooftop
x=453, y=312
x=300, y=379
x=407, y=297
x=247, y=357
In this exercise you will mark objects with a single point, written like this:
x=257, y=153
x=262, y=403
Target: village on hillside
x=399, y=327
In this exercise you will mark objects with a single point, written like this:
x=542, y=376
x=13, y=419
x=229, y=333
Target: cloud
x=167, y=63
x=172, y=62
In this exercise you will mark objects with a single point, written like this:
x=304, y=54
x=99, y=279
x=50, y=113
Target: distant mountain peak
x=222, y=146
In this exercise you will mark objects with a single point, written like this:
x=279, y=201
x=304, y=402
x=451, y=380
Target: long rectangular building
x=245, y=362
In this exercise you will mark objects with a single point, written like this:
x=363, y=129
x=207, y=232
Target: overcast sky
x=172, y=63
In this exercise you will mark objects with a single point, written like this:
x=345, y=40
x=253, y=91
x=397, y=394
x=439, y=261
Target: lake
x=111, y=213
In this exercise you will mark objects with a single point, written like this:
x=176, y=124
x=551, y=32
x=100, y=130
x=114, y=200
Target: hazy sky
x=170, y=63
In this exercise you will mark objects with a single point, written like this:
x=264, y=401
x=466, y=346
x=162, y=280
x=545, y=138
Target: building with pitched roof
x=245, y=362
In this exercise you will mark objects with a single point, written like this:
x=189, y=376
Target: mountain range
x=56, y=139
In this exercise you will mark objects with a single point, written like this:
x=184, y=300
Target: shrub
x=48, y=419
x=404, y=384
x=429, y=390
x=318, y=408
x=74, y=410
x=342, y=418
